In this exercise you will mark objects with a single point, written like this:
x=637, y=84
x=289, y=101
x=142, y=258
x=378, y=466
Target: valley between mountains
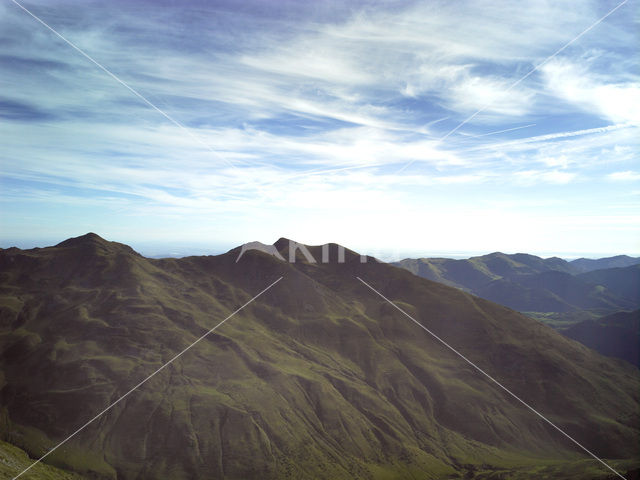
x=318, y=378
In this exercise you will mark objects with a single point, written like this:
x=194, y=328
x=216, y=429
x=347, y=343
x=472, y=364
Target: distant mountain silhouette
x=582, y=265
x=319, y=378
x=532, y=284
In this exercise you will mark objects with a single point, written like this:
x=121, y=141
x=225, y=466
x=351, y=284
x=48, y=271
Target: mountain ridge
x=584, y=265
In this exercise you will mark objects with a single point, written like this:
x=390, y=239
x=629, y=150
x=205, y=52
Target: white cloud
x=534, y=177
x=490, y=95
x=596, y=93
x=626, y=176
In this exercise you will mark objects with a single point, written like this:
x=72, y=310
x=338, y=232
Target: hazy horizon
x=178, y=249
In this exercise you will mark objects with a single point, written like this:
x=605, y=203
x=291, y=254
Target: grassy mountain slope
x=319, y=378
x=14, y=460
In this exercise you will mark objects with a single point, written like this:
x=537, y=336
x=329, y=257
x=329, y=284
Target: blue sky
x=324, y=121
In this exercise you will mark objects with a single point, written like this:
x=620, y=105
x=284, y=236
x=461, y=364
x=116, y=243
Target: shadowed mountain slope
x=553, y=291
x=616, y=335
x=319, y=378
x=624, y=281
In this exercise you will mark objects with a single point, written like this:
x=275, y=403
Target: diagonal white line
x=141, y=383
x=489, y=377
x=122, y=82
x=526, y=75
x=309, y=173
x=553, y=136
x=502, y=131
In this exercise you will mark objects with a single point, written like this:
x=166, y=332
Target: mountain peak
x=281, y=243
x=95, y=243
x=88, y=238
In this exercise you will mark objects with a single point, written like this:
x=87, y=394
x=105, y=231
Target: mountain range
x=555, y=291
x=318, y=378
x=532, y=284
x=583, y=265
